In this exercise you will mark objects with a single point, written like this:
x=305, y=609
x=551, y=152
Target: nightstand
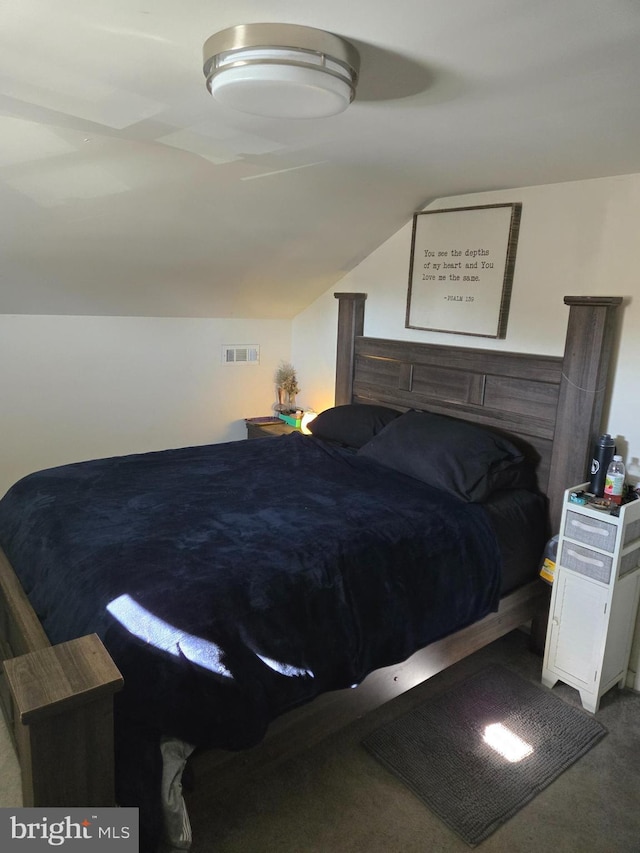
x=594, y=599
x=267, y=427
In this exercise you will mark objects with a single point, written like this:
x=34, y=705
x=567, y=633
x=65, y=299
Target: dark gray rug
x=440, y=749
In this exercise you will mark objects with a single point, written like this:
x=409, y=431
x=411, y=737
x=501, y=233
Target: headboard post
x=350, y=326
x=585, y=369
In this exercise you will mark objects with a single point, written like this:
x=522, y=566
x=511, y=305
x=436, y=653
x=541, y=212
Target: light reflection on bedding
x=155, y=631
x=287, y=669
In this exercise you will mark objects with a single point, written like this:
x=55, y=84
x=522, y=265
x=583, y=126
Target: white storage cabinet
x=594, y=599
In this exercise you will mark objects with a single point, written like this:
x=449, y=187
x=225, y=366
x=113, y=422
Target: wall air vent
x=245, y=354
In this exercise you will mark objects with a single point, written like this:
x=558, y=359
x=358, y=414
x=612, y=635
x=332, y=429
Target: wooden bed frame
x=58, y=700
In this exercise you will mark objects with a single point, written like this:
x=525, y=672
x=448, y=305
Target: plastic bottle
x=614, y=481
x=548, y=568
x=602, y=455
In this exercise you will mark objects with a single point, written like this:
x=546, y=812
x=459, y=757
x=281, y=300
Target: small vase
x=286, y=401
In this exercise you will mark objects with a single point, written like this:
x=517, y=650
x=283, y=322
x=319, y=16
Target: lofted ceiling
x=126, y=190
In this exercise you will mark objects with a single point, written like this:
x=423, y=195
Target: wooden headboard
x=551, y=405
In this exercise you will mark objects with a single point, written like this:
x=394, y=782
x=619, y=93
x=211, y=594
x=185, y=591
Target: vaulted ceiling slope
x=125, y=190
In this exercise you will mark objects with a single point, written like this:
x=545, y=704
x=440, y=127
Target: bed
x=384, y=623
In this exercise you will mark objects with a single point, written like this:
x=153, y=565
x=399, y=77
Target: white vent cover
x=240, y=354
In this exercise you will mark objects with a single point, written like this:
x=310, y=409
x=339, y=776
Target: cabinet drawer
x=631, y=531
x=591, y=531
x=592, y=564
x=629, y=562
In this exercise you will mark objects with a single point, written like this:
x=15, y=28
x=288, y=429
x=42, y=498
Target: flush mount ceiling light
x=281, y=70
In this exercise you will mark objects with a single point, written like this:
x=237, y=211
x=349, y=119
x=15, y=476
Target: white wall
x=578, y=238
x=74, y=388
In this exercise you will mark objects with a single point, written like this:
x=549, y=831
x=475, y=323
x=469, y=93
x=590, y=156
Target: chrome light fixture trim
x=281, y=69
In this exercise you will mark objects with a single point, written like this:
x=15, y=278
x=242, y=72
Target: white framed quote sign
x=461, y=269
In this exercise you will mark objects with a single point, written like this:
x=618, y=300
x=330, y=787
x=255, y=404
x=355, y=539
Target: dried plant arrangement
x=286, y=378
x=286, y=387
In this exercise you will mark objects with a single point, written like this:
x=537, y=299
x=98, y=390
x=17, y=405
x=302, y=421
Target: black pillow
x=353, y=424
x=453, y=455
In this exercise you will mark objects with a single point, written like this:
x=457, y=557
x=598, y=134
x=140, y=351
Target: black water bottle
x=602, y=455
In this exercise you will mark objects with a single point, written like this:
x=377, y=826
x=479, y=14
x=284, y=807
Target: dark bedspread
x=231, y=582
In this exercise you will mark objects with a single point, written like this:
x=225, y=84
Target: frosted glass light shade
x=306, y=420
x=280, y=91
x=281, y=70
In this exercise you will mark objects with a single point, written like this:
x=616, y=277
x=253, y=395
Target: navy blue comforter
x=234, y=581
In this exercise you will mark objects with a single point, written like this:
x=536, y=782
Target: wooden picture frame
x=461, y=269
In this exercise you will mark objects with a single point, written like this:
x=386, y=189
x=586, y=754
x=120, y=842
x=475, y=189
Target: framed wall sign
x=461, y=269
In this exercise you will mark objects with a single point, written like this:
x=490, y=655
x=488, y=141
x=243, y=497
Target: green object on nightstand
x=293, y=419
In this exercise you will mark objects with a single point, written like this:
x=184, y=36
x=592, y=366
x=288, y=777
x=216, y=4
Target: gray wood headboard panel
x=551, y=405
